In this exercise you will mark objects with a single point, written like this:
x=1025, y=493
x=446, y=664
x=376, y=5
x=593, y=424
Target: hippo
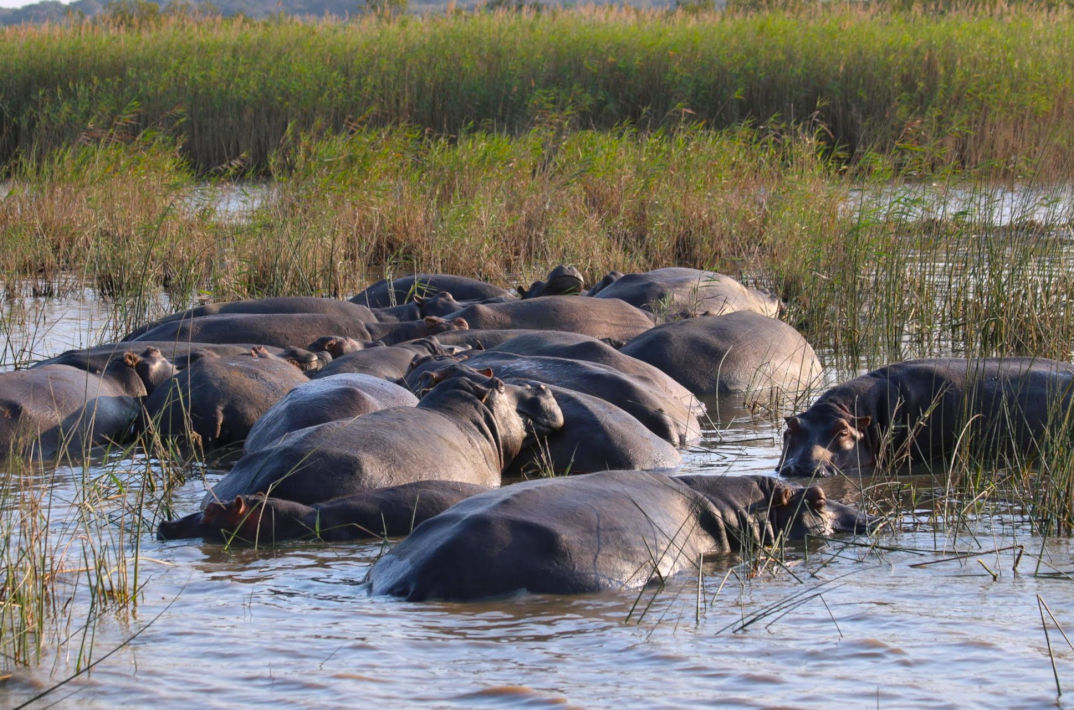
x=922, y=411
x=667, y=416
x=387, y=293
x=214, y=402
x=561, y=281
x=596, y=436
x=437, y=304
x=602, y=531
x=677, y=292
x=97, y=358
x=575, y=346
x=269, y=306
x=460, y=431
x=60, y=411
x=600, y=318
x=737, y=353
x=372, y=514
x=323, y=400
x=388, y=362
x=289, y=329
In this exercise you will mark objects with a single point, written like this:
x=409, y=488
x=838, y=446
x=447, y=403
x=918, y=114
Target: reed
x=951, y=89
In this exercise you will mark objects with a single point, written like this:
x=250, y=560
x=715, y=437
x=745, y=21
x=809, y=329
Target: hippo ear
x=862, y=423
x=131, y=359
x=793, y=424
x=781, y=495
x=487, y=372
x=816, y=497
x=460, y=323
x=522, y=291
x=431, y=321
x=498, y=384
x=238, y=506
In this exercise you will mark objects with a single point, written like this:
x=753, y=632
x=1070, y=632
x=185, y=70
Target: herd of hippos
x=401, y=411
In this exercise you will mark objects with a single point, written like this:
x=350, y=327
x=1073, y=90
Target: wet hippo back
x=681, y=292
x=609, y=530
x=387, y=293
x=738, y=353
x=322, y=400
x=461, y=431
x=600, y=318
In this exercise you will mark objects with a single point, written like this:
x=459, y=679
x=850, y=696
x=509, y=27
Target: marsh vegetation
x=898, y=175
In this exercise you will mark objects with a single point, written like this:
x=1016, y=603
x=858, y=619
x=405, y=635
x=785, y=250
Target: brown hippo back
x=600, y=318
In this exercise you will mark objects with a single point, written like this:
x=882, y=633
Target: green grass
x=945, y=90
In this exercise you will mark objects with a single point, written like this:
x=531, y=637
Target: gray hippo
x=737, y=353
x=388, y=362
x=668, y=416
x=97, y=358
x=60, y=411
x=269, y=306
x=322, y=400
x=386, y=293
x=461, y=431
x=575, y=346
x=677, y=292
x=289, y=329
x=596, y=436
x=923, y=410
x=372, y=514
x=214, y=402
x=600, y=318
x=602, y=531
x=561, y=281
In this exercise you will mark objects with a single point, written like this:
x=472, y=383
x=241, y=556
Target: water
x=843, y=625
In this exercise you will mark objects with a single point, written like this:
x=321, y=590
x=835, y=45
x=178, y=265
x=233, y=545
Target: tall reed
x=953, y=89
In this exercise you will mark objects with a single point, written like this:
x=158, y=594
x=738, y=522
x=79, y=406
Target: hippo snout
x=799, y=469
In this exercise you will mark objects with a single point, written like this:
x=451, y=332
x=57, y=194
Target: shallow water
x=843, y=623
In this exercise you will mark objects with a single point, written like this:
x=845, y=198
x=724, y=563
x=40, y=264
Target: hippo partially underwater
x=923, y=410
x=601, y=531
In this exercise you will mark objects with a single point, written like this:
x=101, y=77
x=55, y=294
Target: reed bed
x=954, y=89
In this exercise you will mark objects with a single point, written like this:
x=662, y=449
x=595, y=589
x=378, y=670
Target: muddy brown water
x=842, y=623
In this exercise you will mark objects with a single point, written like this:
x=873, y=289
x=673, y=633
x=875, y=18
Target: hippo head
x=823, y=443
x=436, y=324
x=305, y=360
x=151, y=367
x=439, y=304
x=338, y=345
x=561, y=281
x=807, y=512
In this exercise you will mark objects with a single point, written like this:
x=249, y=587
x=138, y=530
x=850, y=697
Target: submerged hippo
x=377, y=513
x=610, y=530
x=677, y=292
x=216, y=400
x=923, y=410
x=737, y=353
x=272, y=306
x=563, y=280
x=97, y=358
x=60, y=411
x=323, y=400
x=293, y=329
x=600, y=318
x=386, y=293
x=672, y=417
x=596, y=435
x=461, y=431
